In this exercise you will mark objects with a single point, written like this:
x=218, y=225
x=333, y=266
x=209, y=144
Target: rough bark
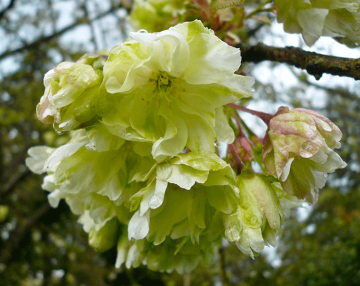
x=315, y=64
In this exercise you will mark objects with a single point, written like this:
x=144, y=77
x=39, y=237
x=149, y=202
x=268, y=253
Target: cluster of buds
x=141, y=169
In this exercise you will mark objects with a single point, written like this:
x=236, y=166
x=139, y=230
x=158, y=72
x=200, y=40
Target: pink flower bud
x=299, y=151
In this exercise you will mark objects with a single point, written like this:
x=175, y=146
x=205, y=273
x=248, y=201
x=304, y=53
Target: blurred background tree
x=44, y=246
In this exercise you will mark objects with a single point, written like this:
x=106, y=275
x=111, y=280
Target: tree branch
x=11, y=4
x=315, y=64
x=59, y=33
x=10, y=187
x=16, y=237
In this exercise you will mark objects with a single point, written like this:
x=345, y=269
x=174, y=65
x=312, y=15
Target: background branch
x=19, y=234
x=11, y=4
x=58, y=33
x=315, y=64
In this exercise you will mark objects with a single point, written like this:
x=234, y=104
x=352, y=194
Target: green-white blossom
x=141, y=170
x=169, y=89
x=258, y=216
x=71, y=92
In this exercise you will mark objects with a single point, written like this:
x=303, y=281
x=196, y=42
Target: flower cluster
x=141, y=169
x=316, y=18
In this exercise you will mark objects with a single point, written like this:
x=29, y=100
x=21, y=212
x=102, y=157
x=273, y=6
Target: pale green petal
x=232, y=227
x=65, y=151
x=101, y=139
x=211, y=60
x=201, y=134
x=200, y=162
x=175, y=137
x=158, y=197
x=198, y=205
x=145, y=121
x=49, y=183
x=122, y=249
x=121, y=66
x=142, y=170
x=89, y=171
x=197, y=105
x=222, y=198
x=223, y=130
x=190, y=29
x=251, y=241
x=312, y=22
x=269, y=235
x=266, y=198
x=104, y=238
x=38, y=156
x=181, y=175
x=152, y=196
x=170, y=51
x=128, y=134
x=138, y=227
x=81, y=111
x=174, y=209
x=54, y=198
x=115, y=109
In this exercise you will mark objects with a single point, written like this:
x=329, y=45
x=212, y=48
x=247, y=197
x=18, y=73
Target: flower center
x=163, y=87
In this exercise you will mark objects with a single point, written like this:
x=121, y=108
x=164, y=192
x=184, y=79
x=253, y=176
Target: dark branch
x=11, y=4
x=19, y=234
x=10, y=187
x=315, y=64
x=59, y=33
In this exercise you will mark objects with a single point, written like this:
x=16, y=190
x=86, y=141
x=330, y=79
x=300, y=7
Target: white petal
x=139, y=225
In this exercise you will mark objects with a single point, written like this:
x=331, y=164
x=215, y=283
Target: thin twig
x=11, y=4
x=42, y=40
x=238, y=123
x=16, y=237
x=266, y=117
x=10, y=187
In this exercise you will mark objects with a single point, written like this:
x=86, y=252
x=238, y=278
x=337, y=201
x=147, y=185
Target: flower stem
x=237, y=119
x=266, y=117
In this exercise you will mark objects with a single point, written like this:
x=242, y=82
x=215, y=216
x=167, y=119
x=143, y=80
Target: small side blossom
x=169, y=89
x=71, y=91
x=299, y=151
x=258, y=216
